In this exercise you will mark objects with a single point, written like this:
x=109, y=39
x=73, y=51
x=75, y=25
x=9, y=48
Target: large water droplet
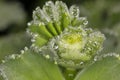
x=55, y=62
x=83, y=20
x=3, y=61
x=47, y=57
x=81, y=63
x=95, y=59
x=29, y=24
x=74, y=11
x=22, y=51
x=32, y=40
x=26, y=48
x=61, y=7
x=56, y=47
x=12, y=56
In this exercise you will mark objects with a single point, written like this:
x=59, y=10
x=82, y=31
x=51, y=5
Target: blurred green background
x=103, y=15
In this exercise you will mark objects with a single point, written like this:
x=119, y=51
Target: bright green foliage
x=29, y=66
x=106, y=69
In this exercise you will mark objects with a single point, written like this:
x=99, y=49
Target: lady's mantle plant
x=61, y=36
x=61, y=31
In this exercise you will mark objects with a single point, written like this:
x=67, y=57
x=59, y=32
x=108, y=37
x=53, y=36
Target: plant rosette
x=61, y=35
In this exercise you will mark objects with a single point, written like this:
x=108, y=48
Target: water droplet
x=31, y=33
x=49, y=3
x=55, y=62
x=90, y=41
x=29, y=24
x=85, y=22
x=47, y=56
x=66, y=30
x=35, y=35
x=41, y=23
x=36, y=48
x=33, y=45
x=81, y=63
x=32, y=40
x=3, y=74
x=40, y=50
x=89, y=48
x=12, y=56
x=95, y=59
x=22, y=51
x=95, y=42
x=3, y=61
x=56, y=47
x=28, y=30
x=18, y=56
x=112, y=54
x=61, y=7
x=26, y=48
x=117, y=55
x=74, y=10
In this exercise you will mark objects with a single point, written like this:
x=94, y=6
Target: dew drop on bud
x=32, y=40
x=74, y=11
x=18, y=56
x=56, y=47
x=81, y=63
x=95, y=59
x=29, y=24
x=55, y=62
x=33, y=45
x=26, y=48
x=3, y=61
x=47, y=57
x=22, y=51
x=85, y=23
x=12, y=56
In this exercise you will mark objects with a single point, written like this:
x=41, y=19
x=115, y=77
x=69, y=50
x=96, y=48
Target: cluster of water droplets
x=2, y=74
x=116, y=55
x=86, y=51
x=54, y=21
x=14, y=56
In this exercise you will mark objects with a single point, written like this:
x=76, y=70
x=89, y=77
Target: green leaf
x=13, y=43
x=30, y=66
x=106, y=69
